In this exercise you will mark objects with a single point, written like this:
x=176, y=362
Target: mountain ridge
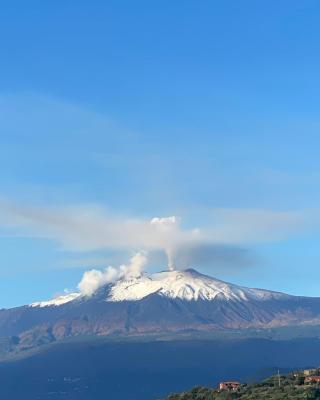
x=171, y=303
x=187, y=284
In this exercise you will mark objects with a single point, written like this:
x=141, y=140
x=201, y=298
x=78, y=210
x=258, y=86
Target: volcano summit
x=175, y=302
x=188, y=285
x=169, y=302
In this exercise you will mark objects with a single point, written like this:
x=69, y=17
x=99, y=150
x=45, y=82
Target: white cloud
x=137, y=264
x=94, y=279
x=242, y=226
x=82, y=229
x=87, y=229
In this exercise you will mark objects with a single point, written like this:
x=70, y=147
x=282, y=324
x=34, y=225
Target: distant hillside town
x=296, y=385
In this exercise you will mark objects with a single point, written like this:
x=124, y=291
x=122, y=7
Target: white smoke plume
x=84, y=229
x=90, y=229
x=167, y=227
x=94, y=279
x=134, y=269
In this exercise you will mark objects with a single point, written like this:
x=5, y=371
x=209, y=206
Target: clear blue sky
x=156, y=108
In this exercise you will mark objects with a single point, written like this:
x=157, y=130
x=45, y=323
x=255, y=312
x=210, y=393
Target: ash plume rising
x=93, y=279
x=167, y=227
x=221, y=239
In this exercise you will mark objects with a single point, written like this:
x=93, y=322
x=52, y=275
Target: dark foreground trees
x=291, y=387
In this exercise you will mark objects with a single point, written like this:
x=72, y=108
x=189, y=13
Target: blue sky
x=156, y=109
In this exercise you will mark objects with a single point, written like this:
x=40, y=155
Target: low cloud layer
x=222, y=257
x=221, y=239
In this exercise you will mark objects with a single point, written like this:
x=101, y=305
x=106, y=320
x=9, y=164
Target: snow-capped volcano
x=185, y=285
x=172, y=302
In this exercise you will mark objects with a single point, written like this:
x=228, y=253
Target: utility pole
x=279, y=381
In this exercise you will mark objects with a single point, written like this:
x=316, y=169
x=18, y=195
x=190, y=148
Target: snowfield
x=186, y=285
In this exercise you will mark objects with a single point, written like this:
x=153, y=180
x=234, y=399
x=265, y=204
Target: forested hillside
x=292, y=386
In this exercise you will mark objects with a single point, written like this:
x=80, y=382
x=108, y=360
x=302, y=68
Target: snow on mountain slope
x=185, y=285
x=57, y=301
x=165, y=302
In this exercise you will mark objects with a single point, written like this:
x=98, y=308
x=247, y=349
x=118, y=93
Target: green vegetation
x=291, y=386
